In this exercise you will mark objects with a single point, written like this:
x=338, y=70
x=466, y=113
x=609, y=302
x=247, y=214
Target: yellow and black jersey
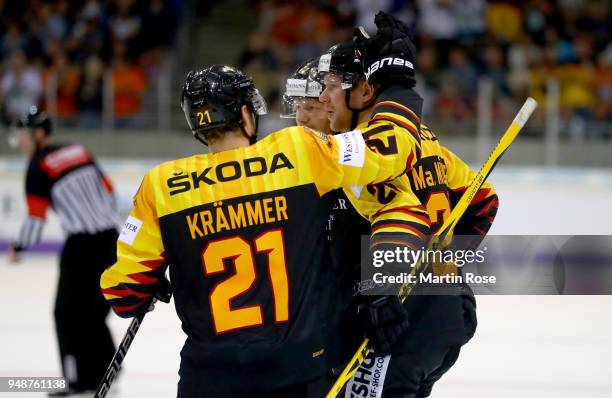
x=440, y=178
x=243, y=233
x=437, y=178
x=392, y=206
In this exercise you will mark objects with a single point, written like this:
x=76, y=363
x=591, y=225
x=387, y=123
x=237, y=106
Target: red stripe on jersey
x=399, y=106
x=116, y=292
x=481, y=195
x=401, y=226
x=107, y=184
x=480, y=231
x=122, y=308
x=399, y=122
x=152, y=264
x=409, y=162
x=124, y=293
x=142, y=279
x=64, y=159
x=488, y=207
x=37, y=206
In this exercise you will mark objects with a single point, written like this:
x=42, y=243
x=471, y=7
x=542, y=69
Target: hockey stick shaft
x=115, y=366
x=449, y=224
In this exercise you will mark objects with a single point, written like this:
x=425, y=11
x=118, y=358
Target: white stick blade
x=526, y=111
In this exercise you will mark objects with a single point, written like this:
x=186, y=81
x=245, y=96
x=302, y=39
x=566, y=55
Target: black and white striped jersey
x=66, y=178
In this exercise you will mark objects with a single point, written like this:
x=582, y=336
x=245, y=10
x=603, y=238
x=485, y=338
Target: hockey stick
x=449, y=224
x=115, y=365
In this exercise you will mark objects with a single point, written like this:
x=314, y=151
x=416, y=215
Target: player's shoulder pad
x=299, y=135
x=163, y=175
x=317, y=134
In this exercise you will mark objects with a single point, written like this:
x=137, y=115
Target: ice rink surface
x=525, y=346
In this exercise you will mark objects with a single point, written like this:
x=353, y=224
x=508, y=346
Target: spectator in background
x=450, y=104
x=51, y=24
x=540, y=73
x=129, y=84
x=20, y=88
x=603, y=77
x=470, y=16
x=89, y=34
x=564, y=51
x=494, y=68
x=258, y=52
x=504, y=20
x=284, y=19
x=14, y=40
x=428, y=77
x=124, y=22
x=261, y=63
x=578, y=86
x=314, y=33
x=521, y=56
x=156, y=34
x=90, y=93
x=63, y=78
x=364, y=9
x=438, y=22
x=462, y=71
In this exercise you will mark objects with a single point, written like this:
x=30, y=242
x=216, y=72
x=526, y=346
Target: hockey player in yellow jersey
x=241, y=231
x=301, y=99
x=378, y=95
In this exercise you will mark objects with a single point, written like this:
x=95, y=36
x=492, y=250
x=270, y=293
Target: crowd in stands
x=68, y=52
x=517, y=45
x=63, y=54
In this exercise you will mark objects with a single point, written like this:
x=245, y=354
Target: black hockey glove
x=388, y=56
x=163, y=293
x=164, y=290
x=384, y=320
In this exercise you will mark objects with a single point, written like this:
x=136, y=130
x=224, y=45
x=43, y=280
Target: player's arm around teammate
x=199, y=216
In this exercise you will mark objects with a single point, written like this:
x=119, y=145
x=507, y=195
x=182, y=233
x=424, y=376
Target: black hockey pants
x=85, y=343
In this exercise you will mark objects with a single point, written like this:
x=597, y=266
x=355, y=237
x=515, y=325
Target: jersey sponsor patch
x=324, y=63
x=369, y=379
x=130, y=230
x=303, y=88
x=295, y=87
x=351, y=148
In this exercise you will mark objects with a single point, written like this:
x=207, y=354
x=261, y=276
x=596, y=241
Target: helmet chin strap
x=252, y=138
x=197, y=137
x=355, y=111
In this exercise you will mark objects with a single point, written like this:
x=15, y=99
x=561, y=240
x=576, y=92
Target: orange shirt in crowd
x=129, y=84
x=67, y=85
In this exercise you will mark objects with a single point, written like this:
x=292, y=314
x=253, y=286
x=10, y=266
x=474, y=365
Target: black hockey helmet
x=36, y=118
x=302, y=84
x=213, y=97
x=343, y=60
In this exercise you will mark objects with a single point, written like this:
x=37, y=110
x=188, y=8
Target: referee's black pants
x=85, y=342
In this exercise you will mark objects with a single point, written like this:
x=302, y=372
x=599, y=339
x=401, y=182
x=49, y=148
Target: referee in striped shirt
x=66, y=178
